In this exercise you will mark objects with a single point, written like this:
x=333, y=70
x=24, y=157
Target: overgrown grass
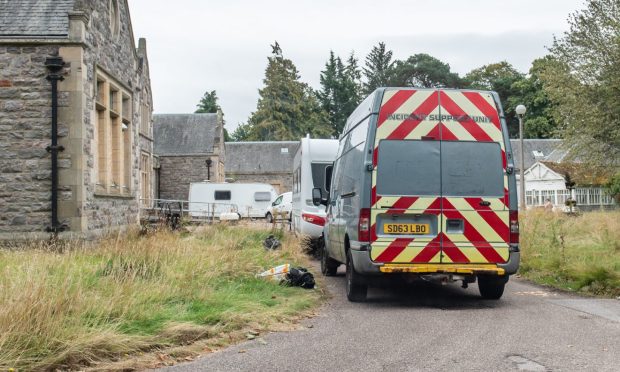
x=128, y=294
x=576, y=253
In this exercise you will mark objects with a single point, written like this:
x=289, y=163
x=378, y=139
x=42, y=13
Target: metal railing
x=160, y=209
x=585, y=196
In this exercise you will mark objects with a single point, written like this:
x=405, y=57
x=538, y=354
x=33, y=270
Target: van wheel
x=491, y=287
x=329, y=266
x=269, y=217
x=356, y=287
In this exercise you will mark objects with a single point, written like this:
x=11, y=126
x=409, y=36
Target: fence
x=159, y=209
x=590, y=196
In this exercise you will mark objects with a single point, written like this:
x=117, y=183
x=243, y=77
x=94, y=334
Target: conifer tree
x=377, y=68
x=287, y=109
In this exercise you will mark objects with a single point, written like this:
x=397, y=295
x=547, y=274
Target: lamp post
x=520, y=110
x=209, y=162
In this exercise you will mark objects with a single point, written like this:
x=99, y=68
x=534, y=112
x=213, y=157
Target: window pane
x=262, y=196
x=318, y=176
x=222, y=195
x=472, y=169
x=408, y=168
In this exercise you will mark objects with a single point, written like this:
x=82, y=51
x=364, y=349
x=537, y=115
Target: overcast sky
x=197, y=45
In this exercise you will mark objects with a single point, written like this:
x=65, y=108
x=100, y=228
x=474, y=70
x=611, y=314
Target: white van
x=312, y=156
x=249, y=200
x=423, y=184
x=281, y=208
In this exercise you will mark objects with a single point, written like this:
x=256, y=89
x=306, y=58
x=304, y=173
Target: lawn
x=575, y=253
x=77, y=305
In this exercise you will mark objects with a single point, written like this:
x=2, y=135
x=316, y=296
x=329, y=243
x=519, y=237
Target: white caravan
x=312, y=156
x=207, y=199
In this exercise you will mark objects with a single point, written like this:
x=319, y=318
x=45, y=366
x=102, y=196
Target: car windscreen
x=262, y=196
x=318, y=176
x=408, y=168
x=471, y=169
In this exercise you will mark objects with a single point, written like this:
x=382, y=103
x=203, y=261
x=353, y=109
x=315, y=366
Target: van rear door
x=406, y=220
x=474, y=179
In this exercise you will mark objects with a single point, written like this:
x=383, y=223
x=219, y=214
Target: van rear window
x=408, y=168
x=434, y=168
x=472, y=169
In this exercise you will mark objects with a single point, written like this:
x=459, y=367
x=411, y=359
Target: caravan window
x=318, y=176
x=222, y=195
x=262, y=196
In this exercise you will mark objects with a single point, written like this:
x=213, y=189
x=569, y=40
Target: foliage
x=208, y=103
x=613, y=187
x=529, y=91
x=501, y=78
x=287, y=109
x=340, y=90
x=377, y=68
x=573, y=253
x=423, y=70
x=583, y=82
x=127, y=295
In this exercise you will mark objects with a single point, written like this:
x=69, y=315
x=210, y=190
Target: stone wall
x=177, y=172
x=25, y=130
x=25, y=111
x=283, y=182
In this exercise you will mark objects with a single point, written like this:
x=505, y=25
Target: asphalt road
x=430, y=327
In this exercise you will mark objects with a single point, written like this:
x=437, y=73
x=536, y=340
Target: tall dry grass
x=579, y=253
x=70, y=307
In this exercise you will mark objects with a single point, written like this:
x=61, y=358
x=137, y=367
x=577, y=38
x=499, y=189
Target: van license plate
x=406, y=228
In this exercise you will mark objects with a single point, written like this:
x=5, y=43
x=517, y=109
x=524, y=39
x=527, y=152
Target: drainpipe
x=54, y=66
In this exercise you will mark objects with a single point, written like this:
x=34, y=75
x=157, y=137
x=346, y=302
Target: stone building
x=184, y=144
x=103, y=116
x=265, y=162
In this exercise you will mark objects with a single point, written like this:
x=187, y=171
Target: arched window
x=115, y=18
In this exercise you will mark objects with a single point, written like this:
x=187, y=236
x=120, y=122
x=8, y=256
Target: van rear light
x=363, y=227
x=514, y=226
x=313, y=219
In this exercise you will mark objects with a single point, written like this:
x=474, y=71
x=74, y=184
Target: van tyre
x=329, y=266
x=356, y=286
x=269, y=217
x=492, y=287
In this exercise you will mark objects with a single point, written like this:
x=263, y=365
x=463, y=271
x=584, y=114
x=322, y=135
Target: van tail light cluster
x=313, y=219
x=514, y=226
x=363, y=227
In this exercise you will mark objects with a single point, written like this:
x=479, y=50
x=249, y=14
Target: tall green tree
x=377, y=68
x=287, y=109
x=423, y=70
x=340, y=91
x=499, y=77
x=583, y=82
x=208, y=103
x=529, y=91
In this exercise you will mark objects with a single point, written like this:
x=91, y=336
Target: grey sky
x=197, y=45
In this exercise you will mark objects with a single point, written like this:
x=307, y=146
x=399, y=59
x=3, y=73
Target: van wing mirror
x=328, y=177
x=317, y=196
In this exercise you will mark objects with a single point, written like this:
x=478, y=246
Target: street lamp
x=520, y=110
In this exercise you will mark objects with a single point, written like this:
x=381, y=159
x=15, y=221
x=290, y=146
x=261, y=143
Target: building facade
x=265, y=162
x=190, y=148
x=103, y=116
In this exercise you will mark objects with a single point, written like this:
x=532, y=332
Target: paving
x=426, y=326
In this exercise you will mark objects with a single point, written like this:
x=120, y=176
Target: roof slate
x=545, y=146
x=35, y=18
x=260, y=157
x=184, y=134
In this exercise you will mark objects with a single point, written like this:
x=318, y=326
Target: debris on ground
x=277, y=273
x=300, y=277
x=271, y=243
x=291, y=276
